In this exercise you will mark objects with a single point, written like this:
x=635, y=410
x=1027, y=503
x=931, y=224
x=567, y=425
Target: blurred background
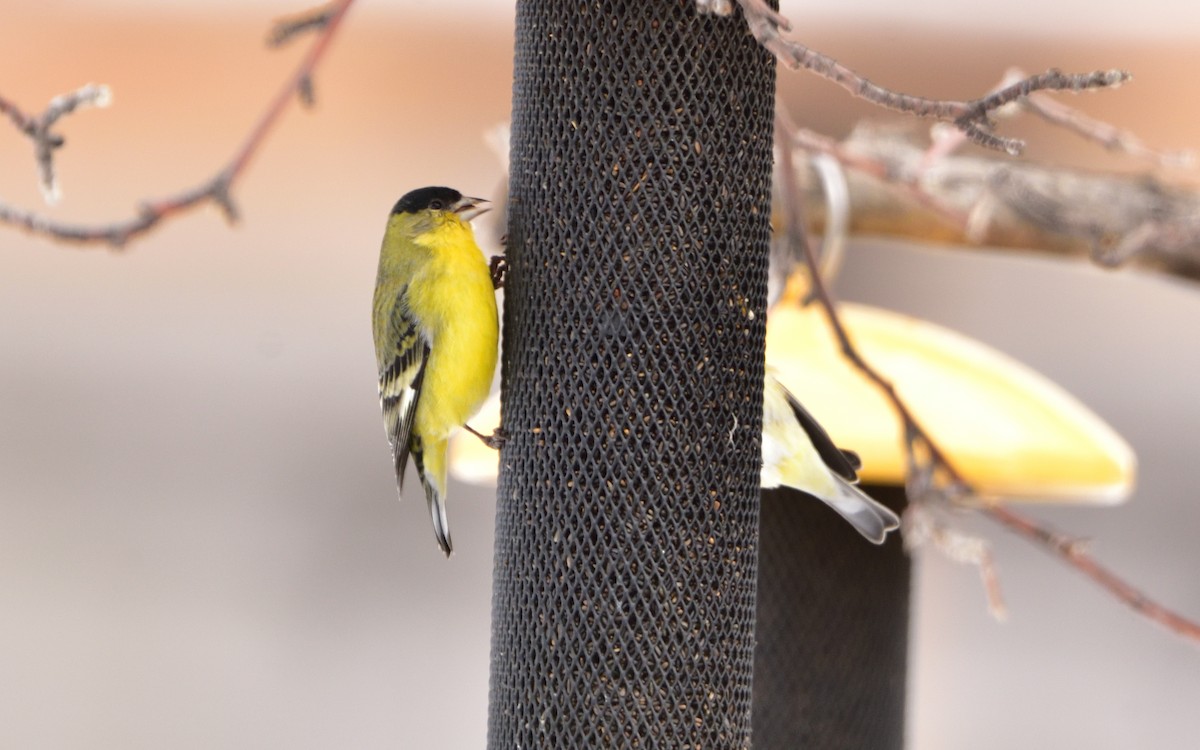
x=200, y=544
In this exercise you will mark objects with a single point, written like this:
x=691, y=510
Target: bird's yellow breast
x=448, y=290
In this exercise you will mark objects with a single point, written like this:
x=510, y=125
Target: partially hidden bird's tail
x=872, y=519
x=431, y=467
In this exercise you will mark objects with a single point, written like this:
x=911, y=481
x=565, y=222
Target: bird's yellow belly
x=461, y=361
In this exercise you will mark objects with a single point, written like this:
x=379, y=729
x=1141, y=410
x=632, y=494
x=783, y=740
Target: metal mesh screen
x=831, y=661
x=624, y=585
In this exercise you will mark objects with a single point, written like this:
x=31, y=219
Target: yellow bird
x=436, y=334
x=798, y=453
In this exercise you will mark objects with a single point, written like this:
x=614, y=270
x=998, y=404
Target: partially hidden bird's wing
x=852, y=458
x=400, y=386
x=843, y=463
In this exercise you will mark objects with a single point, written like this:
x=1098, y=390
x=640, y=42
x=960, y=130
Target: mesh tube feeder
x=625, y=567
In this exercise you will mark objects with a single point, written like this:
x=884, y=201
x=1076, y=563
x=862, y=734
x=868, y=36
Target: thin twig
x=812, y=141
x=39, y=129
x=932, y=474
x=215, y=190
x=798, y=234
x=921, y=527
x=287, y=29
x=1109, y=136
x=1073, y=552
x=977, y=126
x=970, y=116
x=945, y=140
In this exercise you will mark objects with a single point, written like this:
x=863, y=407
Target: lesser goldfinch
x=798, y=453
x=436, y=334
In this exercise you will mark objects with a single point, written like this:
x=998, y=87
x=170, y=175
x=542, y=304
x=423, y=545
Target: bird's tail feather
x=871, y=518
x=431, y=468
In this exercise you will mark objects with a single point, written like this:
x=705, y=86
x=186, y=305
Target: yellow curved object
x=1010, y=431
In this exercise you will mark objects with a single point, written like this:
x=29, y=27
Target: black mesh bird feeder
x=628, y=503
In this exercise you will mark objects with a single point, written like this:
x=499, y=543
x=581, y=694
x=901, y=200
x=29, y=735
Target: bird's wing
x=400, y=385
x=843, y=463
x=852, y=458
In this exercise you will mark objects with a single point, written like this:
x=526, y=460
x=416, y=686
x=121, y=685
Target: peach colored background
x=200, y=545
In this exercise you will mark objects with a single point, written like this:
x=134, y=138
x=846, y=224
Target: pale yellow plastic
x=1010, y=431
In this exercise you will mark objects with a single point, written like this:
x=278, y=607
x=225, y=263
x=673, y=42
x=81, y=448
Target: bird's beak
x=469, y=208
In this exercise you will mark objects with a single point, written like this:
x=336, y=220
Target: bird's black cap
x=427, y=197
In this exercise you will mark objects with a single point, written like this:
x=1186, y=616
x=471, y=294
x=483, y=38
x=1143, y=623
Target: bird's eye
x=436, y=205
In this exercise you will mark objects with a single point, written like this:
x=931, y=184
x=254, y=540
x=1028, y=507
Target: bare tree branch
x=903, y=182
x=315, y=19
x=972, y=117
x=216, y=190
x=1074, y=553
x=39, y=129
x=977, y=125
x=931, y=477
x=916, y=437
x=897, y=188
x=1097, y=131
x=947, y=139
x=921, y=527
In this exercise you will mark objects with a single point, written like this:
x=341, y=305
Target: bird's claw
x=495, y=441
x=499, y=269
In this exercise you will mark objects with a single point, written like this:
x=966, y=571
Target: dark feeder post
x=831, y=662
x=628, y=504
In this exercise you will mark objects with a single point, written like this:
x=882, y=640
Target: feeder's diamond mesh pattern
x=628, y=504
